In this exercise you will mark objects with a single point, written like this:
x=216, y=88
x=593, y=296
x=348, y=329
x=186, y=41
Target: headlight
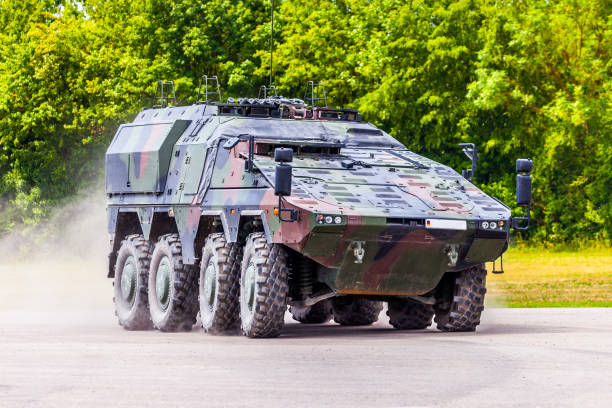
x=329, y=219
x=497, y=225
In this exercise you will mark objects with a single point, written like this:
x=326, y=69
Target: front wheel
x=461, y=302
x=263, y=287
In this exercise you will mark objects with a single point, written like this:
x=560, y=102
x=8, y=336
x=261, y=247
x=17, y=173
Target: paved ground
x=61, y=347
x=519, y=357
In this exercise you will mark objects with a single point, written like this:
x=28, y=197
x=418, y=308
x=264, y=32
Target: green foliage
x=544, y=69
x=526, y=78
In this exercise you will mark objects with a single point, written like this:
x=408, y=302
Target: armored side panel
x=139, y=156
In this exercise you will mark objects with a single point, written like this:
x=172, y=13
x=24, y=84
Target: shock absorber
x=301, y=277
x=306, y=278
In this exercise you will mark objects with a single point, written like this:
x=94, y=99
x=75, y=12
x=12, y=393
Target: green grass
x=549, y=278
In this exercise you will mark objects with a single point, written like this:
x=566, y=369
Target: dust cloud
x=60, y=264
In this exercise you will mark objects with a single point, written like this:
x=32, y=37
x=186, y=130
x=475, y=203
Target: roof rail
x=214, y=82
x=161, y=97
x=266, y=91
x=316, y=94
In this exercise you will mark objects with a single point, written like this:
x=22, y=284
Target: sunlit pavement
x=518, y=357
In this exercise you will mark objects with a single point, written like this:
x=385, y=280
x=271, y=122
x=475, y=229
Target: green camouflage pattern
x=188, y=164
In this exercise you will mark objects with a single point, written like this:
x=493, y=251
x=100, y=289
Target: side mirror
x=282, y=181
x=523, y=189
x=471, y=152
x=283, y=155
x=524, y=167
x=283, y=173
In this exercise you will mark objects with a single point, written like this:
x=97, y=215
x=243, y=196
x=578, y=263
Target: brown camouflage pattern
x=173, y=161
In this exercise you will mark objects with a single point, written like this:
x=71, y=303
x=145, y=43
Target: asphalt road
x=61, y=347
x=518, y=357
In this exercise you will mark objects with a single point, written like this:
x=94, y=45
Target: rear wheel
x=220, y=284
x=318, y=313
x=407, y=315
x=173, y=291
x=355, y=311
x=130, y=284
x=459, y=309
x=263, y=287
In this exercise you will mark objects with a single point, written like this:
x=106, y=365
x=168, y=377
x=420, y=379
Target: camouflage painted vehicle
x=239, y=209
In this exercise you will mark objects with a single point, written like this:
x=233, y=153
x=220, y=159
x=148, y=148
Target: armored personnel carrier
x=239, y=209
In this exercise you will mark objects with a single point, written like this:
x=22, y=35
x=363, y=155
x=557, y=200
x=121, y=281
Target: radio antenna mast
x=271, y=40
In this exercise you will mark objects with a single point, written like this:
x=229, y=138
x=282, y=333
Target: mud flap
x=231, y=222
x=145, y=215
x=112, y=215
x=187, y=220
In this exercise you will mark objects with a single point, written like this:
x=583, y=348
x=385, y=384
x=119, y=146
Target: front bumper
x=400, y=259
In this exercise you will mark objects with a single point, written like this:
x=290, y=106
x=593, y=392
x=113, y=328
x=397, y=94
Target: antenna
x=271, y=40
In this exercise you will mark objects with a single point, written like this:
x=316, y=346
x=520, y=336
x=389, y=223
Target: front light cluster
x=493, y=225
x=329, y=219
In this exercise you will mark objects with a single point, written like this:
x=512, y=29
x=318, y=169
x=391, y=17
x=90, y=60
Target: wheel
x=355, y=310
x=320, y=312
x=130, y=284
x=173, y=291
x=460, y=307
x=263, y=287
x=220, y=284
x=407, y=315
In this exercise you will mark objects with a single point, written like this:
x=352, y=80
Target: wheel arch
x=121, y=222
x=237, y=225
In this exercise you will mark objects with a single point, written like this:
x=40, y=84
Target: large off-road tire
x=173, y=288
x=263, y=287
x=460, y=309
x=220, y=285
x=130, y=284
x=318, y=313
x=355, y=311
x=407, y=315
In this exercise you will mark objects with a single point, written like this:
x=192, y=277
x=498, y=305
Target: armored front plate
x=485, y=250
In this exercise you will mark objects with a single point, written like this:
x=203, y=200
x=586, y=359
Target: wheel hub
x=129, y=278
x=210, y=284
x=249, y=286
x=162, y=283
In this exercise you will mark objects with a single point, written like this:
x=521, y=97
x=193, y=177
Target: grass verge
x=548, y=278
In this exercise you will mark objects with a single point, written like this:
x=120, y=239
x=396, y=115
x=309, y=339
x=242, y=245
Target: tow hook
x=358, y=251
x=453, y=254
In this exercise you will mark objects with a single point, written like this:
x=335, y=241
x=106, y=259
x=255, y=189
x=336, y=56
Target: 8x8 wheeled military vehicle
x=239, y=209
